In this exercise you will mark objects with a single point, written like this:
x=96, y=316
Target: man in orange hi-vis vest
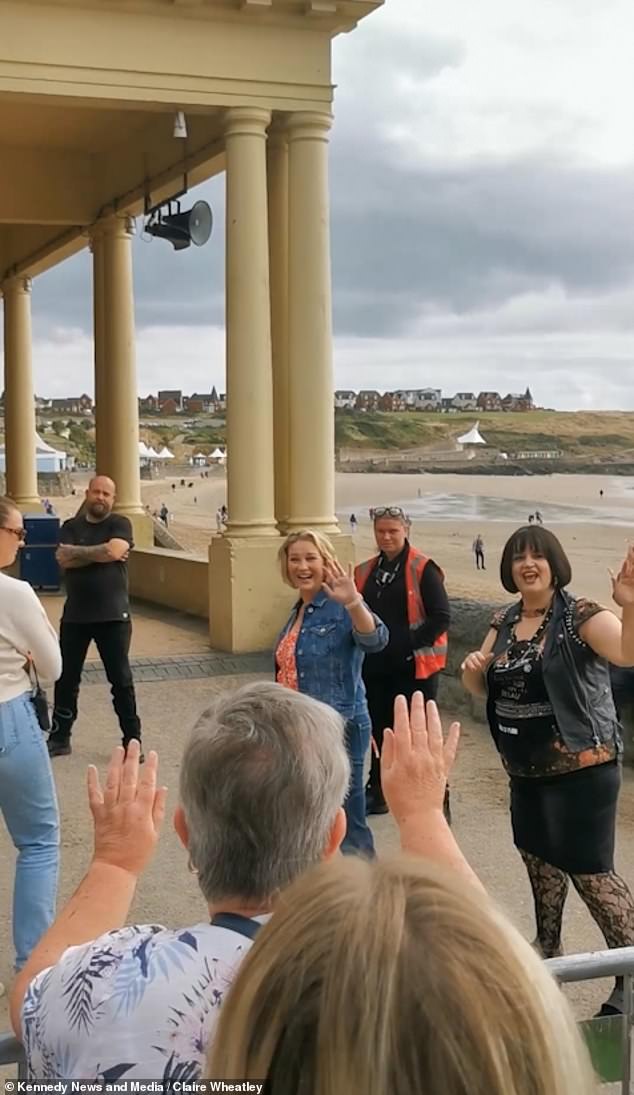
x=407, y=591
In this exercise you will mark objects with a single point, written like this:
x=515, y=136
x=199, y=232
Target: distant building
x=81, y=404
x=428, y=399
x=201, y=402
x=170, y=396
x=368, y=400
x=345, y=399
x=489, y=401
x=521, y=402
x=464, y=401
x=149, y=405
x=407, y=397
x=169, y=408
x=392, y=401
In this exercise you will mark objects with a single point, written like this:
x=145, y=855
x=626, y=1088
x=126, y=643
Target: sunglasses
x=19, y=533
x=389, y=511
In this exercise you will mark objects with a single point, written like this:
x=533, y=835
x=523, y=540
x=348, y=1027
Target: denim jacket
x=577, y=681
x=329, y=655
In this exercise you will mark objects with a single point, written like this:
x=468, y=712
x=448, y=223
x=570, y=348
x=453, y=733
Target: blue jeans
x=358, y=839
x=29, y=806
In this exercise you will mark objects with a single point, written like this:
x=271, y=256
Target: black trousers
x=381, y=692
x=479, y=555
x=112, y=640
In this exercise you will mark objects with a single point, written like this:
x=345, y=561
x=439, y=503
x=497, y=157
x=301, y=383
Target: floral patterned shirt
x=138, y=1003
x=285, y=658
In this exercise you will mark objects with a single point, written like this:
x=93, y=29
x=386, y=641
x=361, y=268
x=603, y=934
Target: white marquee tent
x=473, y=437
x=47, y=458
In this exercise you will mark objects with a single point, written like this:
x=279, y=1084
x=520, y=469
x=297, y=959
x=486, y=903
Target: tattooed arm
x=70, y=556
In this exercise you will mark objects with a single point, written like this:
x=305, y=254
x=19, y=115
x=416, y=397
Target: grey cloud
x=463, y=237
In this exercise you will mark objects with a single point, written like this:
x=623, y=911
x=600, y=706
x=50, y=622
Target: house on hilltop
x=368, y=400
x=465, y=401
x=521, y=402
x=489, y=401
x=428, y=399
x=345, y=399
x=81, y=404
x=169, y=395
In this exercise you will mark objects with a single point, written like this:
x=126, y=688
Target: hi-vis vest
x=428, y=659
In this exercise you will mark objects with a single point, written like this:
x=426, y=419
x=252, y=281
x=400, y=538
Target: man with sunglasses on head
x=407, y=591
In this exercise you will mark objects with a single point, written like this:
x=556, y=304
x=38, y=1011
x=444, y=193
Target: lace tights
x=606, y=896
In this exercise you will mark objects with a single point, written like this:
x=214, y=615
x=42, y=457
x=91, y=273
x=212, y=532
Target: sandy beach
x=593, y=529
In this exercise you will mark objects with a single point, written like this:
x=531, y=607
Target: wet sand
x=449, y=513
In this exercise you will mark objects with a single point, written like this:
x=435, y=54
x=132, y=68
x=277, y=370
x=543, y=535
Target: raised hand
x=128, y=813
x=623, y=582
x=415, y=760
x=339, y=584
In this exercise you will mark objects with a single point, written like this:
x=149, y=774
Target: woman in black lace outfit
x=544, y=670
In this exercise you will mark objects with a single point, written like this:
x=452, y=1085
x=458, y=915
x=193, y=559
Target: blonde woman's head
x=395, y=977
x=304, y=559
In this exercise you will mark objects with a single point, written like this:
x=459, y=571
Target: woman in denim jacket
x=321, y=649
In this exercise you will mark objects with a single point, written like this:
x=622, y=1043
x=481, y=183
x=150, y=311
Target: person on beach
x=321, y=649
x=478, y=551
x=353, y=523
x=544, y=670
x=407, y=591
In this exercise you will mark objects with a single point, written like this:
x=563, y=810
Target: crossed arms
x=70, y=556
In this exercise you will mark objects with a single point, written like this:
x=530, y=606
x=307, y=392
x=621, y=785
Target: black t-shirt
x=96, y=593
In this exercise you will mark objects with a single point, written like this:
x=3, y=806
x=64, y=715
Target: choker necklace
x=534, y=613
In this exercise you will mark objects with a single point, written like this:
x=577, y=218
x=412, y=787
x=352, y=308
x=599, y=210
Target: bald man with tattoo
x=93, y=551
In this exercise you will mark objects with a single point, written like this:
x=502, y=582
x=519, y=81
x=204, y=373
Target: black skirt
x=568, y=820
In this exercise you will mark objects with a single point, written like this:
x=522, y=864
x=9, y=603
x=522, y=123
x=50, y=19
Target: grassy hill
x=578, y=434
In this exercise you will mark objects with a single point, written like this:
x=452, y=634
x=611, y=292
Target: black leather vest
x=577, y=680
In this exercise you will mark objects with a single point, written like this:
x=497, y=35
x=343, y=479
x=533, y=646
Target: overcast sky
x=482, y=215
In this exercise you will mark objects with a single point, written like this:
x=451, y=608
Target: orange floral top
x=285, y=656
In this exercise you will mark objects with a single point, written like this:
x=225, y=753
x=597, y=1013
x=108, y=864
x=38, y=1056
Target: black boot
x=374, y=801
x=59, y=747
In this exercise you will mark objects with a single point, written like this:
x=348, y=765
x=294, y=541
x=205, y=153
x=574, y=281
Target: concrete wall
x=170, y=578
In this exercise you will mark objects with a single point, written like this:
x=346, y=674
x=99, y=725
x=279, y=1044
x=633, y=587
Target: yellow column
x=247, y=600
x=100, y=356
x=19, y=398
x=277, y=170
x=250, y=491
x=121, y=424
x=311, y=386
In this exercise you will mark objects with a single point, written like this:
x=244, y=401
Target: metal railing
x=12, y=1053
x=609, y=1039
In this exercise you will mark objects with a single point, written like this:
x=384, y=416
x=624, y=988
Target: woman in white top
x=27, y=792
